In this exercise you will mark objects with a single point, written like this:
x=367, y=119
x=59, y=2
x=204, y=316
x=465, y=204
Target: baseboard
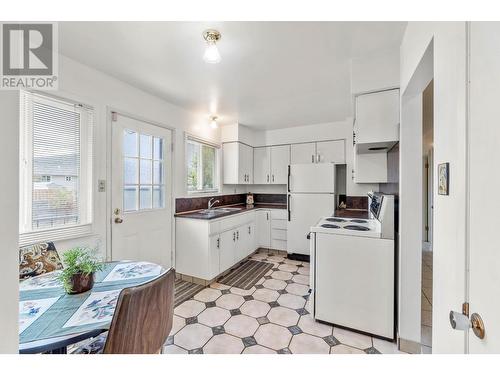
x=409, y=346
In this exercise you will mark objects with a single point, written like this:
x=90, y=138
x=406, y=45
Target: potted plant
x=80, y=264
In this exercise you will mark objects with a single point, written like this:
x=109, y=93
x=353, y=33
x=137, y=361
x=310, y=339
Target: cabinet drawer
x=278, y=224
x=278, y=234
x=278, y=214
x=278, y=244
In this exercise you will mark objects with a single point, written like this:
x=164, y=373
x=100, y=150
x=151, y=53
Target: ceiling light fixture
x=211, y=55
x=213, y=122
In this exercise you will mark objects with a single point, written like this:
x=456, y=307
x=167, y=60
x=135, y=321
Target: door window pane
x=157, y=197
x=130, y=198
x=130, y=171
x=157, y=172
x=146, y=147
x=157, y=148
x=145, y=197
x=146, y=172
x=130, y=143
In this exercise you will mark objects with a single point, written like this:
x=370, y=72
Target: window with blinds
x=56, y=167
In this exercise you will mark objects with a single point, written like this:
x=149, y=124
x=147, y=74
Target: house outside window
x=56, y=168
x=201, y=166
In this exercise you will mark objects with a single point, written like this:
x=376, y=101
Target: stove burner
x=358, y=221
x=356, y=227
x=329, y=226
x=335, y=220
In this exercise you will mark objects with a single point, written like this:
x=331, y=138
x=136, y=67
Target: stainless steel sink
x=229, y=209
x=219, y=210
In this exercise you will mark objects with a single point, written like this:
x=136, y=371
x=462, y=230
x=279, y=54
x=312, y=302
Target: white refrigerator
x=311, y=196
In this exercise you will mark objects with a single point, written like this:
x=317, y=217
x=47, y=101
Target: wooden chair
x=142, y=320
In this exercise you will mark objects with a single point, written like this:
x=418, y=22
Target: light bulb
x=212, y=55
x=213, y=123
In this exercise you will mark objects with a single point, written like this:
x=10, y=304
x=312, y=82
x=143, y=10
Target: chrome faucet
x=210, y=204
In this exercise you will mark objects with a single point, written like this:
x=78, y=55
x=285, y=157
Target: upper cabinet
x=238, y=163
x=377, y=120
x=270, y=164
x=318, y=152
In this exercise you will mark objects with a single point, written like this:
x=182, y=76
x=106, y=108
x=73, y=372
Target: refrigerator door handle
x=288, y=185
x=289, y=210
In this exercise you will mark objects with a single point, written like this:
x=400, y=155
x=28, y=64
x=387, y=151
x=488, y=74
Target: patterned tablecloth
x=46, y=311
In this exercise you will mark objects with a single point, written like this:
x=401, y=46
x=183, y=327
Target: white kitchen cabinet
x=262, y=165
x=303, y=153
x=227, y=250
x=370, y=167
x=237, y=163
x=245, y=241
x=263, y=224
x=377, y=117
x=214, y=255
x=280, y=159
x=331, y=152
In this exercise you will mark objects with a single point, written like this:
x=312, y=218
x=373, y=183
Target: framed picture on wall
x=443, y=179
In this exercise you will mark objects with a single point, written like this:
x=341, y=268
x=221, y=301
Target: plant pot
x=81, y=282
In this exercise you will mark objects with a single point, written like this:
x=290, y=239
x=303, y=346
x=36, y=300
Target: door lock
x=118, y=220
x=461, y=322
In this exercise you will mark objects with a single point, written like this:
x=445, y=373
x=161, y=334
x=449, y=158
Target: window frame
x=217, y=147
x=86, y=194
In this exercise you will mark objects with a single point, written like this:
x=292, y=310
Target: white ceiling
x=272, y=74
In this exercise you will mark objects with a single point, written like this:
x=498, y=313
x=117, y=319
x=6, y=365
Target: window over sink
x=201, y=166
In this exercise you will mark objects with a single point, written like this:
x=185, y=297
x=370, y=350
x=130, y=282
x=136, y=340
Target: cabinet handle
x=249, y=230
x=267, y=178
x=237, y=234
x=273, y=178
x=234, y=236
x=312, y=158
x=289, y=209
x=319, y=158
x=218, y=243
x=267, y=216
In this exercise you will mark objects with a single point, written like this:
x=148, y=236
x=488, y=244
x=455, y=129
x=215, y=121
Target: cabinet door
x=213, y=257
x=262, y=165
x=231, y=169
x=245, y=164
x=280, y=159
x=302, y=153
x=249, y=235
x=331, y=152
x=227, y=250
x=377, y=117
x=263, y=226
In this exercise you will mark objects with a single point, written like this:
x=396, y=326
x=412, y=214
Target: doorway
x=427, y=213
x=141, y=191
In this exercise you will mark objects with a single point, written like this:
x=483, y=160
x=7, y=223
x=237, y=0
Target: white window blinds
x=56, y=164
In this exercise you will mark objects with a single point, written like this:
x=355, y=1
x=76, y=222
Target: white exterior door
x=484, y=267
x=280, y=159
x=303, y=153
x=141, y=196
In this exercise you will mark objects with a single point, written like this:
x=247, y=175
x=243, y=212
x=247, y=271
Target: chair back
x=143, y=317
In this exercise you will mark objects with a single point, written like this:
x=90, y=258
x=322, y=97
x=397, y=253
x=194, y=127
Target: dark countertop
x=198, y=215
x=354, y=214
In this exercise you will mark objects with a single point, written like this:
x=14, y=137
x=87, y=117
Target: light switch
x=101, y=186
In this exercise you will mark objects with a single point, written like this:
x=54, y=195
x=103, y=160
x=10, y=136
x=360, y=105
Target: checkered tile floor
x=272, y=317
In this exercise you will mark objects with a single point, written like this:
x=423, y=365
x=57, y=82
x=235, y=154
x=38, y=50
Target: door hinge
x=465, y=308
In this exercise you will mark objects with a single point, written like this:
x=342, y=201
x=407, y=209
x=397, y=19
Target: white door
x=263, y=219
x=280, y=159
x=331, y=152
x=262, y=165
x=303, y=153
x=305, y=210
x=312, y=178
x=484, y=268
x=141, y=196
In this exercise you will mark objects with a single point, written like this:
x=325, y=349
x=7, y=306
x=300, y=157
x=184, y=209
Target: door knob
x=118, y=220
x=477, y=325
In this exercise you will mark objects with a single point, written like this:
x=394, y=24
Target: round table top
x=47, y=312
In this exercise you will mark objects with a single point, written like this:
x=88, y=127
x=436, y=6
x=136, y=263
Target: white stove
x=352, y=269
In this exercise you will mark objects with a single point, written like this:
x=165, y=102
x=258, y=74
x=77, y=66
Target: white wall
x=449, y=58
x=9, y=222
x=376, y=72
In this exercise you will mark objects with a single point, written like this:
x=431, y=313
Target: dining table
x=50, y=319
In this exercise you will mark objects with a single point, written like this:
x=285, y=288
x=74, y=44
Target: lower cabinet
x=207, y=248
